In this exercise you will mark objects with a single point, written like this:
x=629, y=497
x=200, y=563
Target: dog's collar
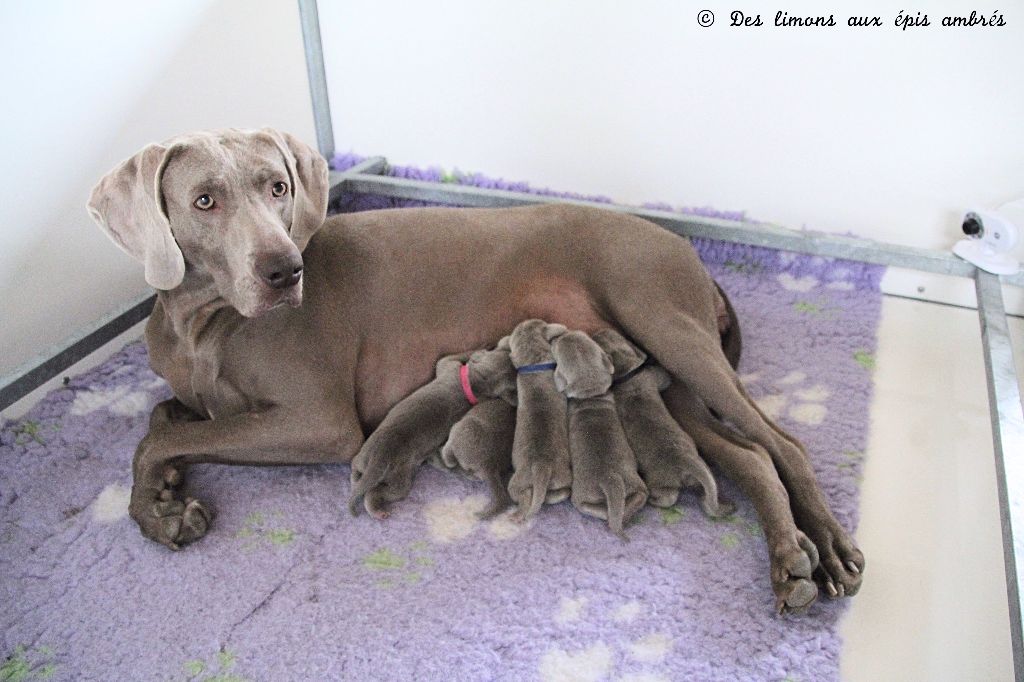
x=539, y=367
x=631, y=373
x=467, y=390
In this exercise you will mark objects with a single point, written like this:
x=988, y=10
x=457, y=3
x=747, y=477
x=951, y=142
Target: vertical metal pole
x=310, y=19
x=1008, y=435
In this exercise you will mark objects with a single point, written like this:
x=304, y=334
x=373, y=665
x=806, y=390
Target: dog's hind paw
x=792, y=571
x=841, y=570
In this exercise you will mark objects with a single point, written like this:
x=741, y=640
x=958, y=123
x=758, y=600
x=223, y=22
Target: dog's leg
x=178, y=437
x=694, y=357
x=793, y=557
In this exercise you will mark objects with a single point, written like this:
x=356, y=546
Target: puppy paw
x=378, y=485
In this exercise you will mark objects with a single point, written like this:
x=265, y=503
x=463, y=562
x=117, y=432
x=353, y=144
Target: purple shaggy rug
x=288, y=586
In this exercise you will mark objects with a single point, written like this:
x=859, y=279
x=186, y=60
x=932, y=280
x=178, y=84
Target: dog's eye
x=279, y=189
x=204, y=202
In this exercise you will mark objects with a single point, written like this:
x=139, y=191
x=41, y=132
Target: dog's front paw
x=165, y=518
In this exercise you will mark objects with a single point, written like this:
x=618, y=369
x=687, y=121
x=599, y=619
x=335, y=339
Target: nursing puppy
x=481, y=446
x=605, y=482
x=384, y=469
x=540, y=450
x=666, y=456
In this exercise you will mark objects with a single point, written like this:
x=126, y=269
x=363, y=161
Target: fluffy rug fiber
x=288, y=586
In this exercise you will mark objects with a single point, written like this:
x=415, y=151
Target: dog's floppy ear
x=308, y=171
x=127, y=204
x=505, y=343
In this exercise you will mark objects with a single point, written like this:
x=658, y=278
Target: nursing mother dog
x=286, y=337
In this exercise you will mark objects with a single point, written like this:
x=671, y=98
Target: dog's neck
x=196, y=306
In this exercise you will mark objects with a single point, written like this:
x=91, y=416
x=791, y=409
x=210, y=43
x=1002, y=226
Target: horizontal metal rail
x=31, y=376
x=757, y=234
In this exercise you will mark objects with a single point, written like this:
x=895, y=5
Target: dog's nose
x=280, y=271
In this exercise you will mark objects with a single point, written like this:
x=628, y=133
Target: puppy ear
x=448, y=363
x=128, y=205
x=553, y=331
x=608, y=364
x=560, y=380
x=309, y=185
x=663, y=378
x=505, y=343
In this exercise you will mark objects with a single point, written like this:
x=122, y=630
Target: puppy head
x=625, y=356
x=584, y=370
x=530, y=341
x=230, y=209
x=493, y=374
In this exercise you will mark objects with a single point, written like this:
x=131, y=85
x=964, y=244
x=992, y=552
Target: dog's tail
x=732, y=340
x=615, y=495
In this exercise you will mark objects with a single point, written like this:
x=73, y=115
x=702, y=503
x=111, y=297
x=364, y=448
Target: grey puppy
x=383, y=470
x=481, y=446
x=666, y=456
x=605, y=481
x=540, y=450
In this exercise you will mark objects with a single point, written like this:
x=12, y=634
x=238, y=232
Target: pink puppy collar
x=467, y=390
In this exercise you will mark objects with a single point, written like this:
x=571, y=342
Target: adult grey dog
x=285, y=337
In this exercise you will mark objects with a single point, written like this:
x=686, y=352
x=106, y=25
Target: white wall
x=88, y=84
x=884, y=133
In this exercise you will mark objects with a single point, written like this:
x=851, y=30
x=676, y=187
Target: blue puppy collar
x=541, y=367
x=632, y=373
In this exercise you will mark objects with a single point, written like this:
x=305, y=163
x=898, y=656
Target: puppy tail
x=541, y=479
x=709, y=503
x=615, y=495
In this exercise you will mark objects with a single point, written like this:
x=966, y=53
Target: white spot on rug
x=816, y=393
x=504, y=528
x=643, y=677
x=651, y=648
x=791, y=283
x=627, y=613
x=111, y=504
x=570, y=610
x=589, y=665
x=450, y=519
x=841, y=286
x=772, y=405
x=811, y=414
x=121, y=400
x=793, y=378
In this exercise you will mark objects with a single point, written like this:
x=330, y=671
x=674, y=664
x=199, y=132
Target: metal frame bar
x=1004, y=398
x=31, y=376
x=309, y=17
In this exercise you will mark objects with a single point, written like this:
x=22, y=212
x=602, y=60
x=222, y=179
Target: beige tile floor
x=933, y=605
